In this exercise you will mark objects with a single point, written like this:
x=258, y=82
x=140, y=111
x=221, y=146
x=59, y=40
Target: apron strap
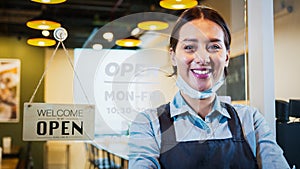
x=234, y=123
x=168, y=137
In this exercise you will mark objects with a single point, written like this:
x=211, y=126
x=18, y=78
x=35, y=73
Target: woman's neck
x=201, y=106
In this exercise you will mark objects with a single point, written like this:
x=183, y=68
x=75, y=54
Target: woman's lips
x=201, y=73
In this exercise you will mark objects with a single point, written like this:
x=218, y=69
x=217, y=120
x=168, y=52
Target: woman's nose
x=201, y=57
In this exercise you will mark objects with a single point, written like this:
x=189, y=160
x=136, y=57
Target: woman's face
x=200, y=55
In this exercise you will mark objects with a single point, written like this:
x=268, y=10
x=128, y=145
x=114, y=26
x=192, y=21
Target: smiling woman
x=196, y=129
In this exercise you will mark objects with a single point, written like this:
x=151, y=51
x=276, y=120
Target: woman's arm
x=143, y=143
x=268, y=152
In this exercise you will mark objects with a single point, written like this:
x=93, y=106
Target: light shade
x=178, y=4
x=128, y=42
x=45, y=33
x=108, y=36
x=43, y=24
x=153, y=25
x=49, y=1
x=97, y=46
x=43, y=42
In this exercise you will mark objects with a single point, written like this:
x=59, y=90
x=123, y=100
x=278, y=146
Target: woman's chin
x=202, y=89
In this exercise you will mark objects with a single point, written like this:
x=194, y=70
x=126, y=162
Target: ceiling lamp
x=108, y=36
x=97, y=46
x=129, y=42
x=49, y=1
x=178, y=4
x=45, y=33
x=42, y=42
x=43, y=24
x=135, y=31
x=153, y=25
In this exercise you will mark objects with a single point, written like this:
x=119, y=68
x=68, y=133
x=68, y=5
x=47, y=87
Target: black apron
x=234, y=153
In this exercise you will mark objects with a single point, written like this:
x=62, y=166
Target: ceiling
x=78, y=17
x=82, y=17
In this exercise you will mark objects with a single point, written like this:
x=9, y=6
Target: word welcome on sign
x=44, y=121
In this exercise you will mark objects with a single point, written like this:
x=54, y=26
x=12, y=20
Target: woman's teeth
x=201, y=72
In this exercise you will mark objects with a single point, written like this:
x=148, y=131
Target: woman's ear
x=172, y=55
x=227, y=58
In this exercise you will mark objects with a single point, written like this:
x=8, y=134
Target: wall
x=287, y=57
x=223, y=7
x=59, y=77
x=32, y=67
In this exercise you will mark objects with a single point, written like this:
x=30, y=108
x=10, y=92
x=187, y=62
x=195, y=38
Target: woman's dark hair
x=199, y=12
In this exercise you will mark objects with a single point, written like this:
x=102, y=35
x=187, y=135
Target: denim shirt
x=145, y=139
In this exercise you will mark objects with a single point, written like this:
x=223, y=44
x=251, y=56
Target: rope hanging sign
x=44, y=121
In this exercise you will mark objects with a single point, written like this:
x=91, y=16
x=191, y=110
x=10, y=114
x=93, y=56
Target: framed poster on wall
x=9, y=90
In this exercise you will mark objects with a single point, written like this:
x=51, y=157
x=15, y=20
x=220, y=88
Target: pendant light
x=49, y=1
x=153, y=25
x=42, y=42
x=128, y=42
x=178, y=4
x=43, y=22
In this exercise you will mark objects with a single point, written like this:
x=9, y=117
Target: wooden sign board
x=43, y=121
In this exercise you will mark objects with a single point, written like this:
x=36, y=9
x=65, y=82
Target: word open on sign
x=44, y=121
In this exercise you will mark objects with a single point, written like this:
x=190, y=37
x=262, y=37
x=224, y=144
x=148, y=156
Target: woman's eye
x=214, y=48
x=189, y=48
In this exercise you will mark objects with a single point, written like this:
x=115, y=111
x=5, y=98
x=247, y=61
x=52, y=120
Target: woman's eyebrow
x=190, y=40
x=215, y=40
x=196, y=40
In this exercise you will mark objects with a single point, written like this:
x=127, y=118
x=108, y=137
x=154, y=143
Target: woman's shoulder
x=244, y=108
x=151, y=114
x=247, y=112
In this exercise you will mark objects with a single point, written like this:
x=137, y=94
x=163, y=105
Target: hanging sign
x=43, y=121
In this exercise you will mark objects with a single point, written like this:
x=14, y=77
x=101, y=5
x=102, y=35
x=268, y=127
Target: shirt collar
x=178, y=106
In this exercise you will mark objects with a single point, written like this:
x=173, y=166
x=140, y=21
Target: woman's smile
x=201, y=73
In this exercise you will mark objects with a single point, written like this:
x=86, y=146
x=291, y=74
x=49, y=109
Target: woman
x=197, y=130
